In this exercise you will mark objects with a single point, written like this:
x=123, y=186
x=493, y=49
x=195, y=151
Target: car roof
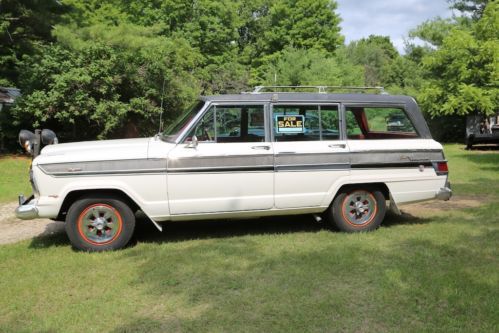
x=309, y=97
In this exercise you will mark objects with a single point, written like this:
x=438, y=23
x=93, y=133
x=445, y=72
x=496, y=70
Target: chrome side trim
x=312, y=167
x=105, y=167
x=223, y=169
x=375, y=157
x=111, y=173
x=247, y=214
x=393, y=165
x=221, y=162
x=397, y=151
x=312, y=158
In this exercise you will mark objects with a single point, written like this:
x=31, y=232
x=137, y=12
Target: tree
x=475, y=8
x=375, y=54
x=311, y=67
x=302, y=24
x=464, y=71
x=24, y=26
x=433, y=31
x=101, y=89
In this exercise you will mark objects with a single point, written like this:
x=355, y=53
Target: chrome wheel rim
x=99, y=224
x=359, y=208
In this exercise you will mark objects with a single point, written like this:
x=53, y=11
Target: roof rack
x=320, y=89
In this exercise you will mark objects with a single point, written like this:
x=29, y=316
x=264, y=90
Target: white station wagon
x=341, y=157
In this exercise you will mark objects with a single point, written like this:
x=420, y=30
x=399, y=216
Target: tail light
x=441, y=168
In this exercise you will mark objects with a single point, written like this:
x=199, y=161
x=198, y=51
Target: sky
x=393, y=18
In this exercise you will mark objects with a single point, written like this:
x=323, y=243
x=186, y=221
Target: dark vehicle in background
x=482, y=129
x=397, y=123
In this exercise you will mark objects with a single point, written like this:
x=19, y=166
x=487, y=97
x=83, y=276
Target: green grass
x=14, y=177
x=437, y=271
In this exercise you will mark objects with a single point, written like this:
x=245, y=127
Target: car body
x=246, y=155
x=482, y=129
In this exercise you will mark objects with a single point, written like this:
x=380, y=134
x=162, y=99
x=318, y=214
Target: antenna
x=161, y=106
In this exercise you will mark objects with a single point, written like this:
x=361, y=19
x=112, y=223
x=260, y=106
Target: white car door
x=231, y=168
x=309, y=154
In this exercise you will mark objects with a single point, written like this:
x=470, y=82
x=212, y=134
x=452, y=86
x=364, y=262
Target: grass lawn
x=437, y=270
x=14, y=178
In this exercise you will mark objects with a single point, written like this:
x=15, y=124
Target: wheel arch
x=74, y=195
x=378, y=185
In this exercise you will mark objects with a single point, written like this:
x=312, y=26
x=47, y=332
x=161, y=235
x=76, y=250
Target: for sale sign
x=290, y=124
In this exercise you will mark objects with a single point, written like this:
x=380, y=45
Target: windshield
x=173, y=131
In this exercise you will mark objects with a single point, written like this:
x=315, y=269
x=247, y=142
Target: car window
x=237, y=123
x=330, y=122
x=175, y=129
x=378, y=123
x=305, y=122
x=205, y=128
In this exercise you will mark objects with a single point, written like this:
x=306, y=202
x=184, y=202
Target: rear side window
x=305, y=122
x=378, y=123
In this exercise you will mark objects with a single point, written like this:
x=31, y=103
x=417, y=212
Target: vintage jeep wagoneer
x=341, y=157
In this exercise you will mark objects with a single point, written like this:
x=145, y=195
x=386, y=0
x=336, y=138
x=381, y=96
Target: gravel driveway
x=14, y=230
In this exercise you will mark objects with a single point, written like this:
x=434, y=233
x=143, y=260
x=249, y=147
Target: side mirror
x=193, y=143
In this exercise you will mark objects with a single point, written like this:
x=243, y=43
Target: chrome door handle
x=337, y=145
x=261, y=147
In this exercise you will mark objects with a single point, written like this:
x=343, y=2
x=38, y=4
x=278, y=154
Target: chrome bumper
x=26, y=210
x=444, y=193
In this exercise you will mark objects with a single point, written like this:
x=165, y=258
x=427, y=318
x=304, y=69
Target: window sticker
x=290, y=124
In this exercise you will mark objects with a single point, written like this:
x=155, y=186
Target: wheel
x=358, y=209
x=99, y=223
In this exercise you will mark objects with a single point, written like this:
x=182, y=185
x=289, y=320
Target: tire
x=358, y=209
x=100, y=223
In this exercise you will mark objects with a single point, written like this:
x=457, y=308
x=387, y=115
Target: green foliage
x=433, y=31
x=402, y=76
x=101, y=89
x=474, y=8
x=302, y=24
x=312, y=67
x=74, y=88
x=464, y=71
x=375, y=54
x=24, y=25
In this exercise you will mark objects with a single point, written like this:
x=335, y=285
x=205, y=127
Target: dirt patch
x=435, y=207
x=14, y=230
